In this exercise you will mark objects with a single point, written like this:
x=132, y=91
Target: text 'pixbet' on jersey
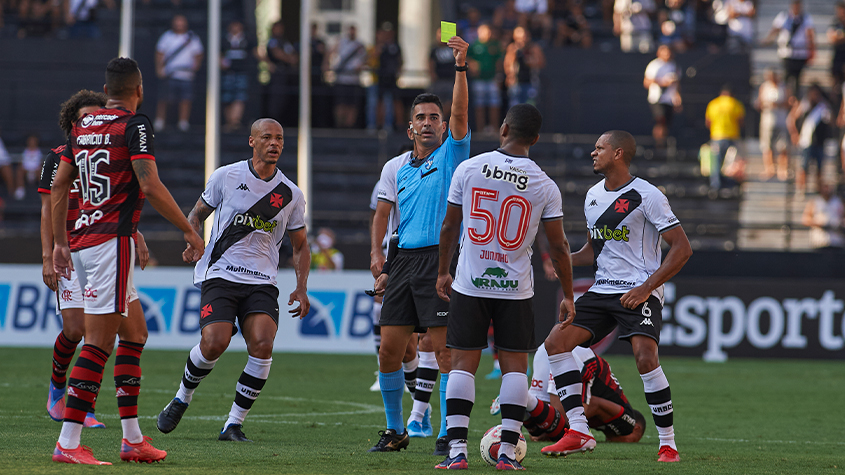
x=514, y=175
x=607, y=234
x=255, y=222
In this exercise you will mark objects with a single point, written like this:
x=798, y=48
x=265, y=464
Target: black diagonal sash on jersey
x=612, y=216
x=266, y=208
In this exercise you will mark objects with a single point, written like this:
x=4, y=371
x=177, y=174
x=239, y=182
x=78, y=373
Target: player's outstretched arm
x=678, y=255
x=459, y=120
x=65, y=175
x=584, y=256
x=163, y=202
x=301, y=266
x=377, y=232
x=448, y=242
x=48, y=273
x=559, y=254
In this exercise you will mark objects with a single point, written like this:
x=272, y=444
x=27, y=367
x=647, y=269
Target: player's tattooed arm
x=199, y=214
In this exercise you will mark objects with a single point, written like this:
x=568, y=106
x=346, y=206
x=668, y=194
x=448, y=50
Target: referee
x=419, y=190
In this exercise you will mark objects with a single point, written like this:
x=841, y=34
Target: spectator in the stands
x=324, y=256
x=81, y=17
x=6, y=170
x=836, y=38
x=796, y=42
x=661, y=79
x=441, y=70
x=772, y=102
x=814, y=116
x=31, y=160
x=570, y=25
x=632, y=24
x=825, y=216
x=675, y=25
x=282, y=62
x=35, y=17
x=321, y=114
x=741, y=14
x=724, y=117
x=387, y=60
x=235, y=64
x=485, y=63
x=468, y=27
x=534, y=16
x=350, y=58
x=523, y=62
x=505, y=19
x=178, y=57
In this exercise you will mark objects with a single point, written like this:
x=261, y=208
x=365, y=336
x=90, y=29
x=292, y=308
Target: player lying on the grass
x=419, y=189
x=112, y=152
x=255, y=205
x=626, y=218
x=500, y=197
x=605, y=405
x=68, y=291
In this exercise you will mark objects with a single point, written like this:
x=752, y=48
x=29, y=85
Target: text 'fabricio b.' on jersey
x=503, y=198
x=419, y=189
x=45, y=184
x=250, y=219
x=102, y=147
x=625, y=227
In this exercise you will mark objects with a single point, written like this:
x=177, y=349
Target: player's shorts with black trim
x=410, y=297
x=469, y=319
x=601, y=313
x=223, y=301
x=622, y=425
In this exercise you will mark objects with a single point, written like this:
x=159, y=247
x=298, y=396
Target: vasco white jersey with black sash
x=250, y=219
x=503, y=198
x=625, y=227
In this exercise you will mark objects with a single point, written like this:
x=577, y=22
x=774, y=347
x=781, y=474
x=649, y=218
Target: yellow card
x=447, y=31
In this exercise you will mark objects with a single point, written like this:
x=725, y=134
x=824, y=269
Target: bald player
x=626, y=217
x=255, y=205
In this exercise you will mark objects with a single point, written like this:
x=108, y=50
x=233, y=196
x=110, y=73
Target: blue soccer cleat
x=459, y=462
x=56, y=403
x=507, y=463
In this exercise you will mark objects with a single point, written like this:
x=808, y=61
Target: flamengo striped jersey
x=48, y=173
x=503, y=198
x=625, y=227
x=102, y=146
x=250, y=219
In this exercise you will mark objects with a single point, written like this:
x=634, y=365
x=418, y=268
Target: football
x=490, y=446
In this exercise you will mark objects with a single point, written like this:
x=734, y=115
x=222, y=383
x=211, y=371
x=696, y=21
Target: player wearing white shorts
x=626, y=217
x=254, y=205
x=501, y=197
x=69, y=301
x=111, y=150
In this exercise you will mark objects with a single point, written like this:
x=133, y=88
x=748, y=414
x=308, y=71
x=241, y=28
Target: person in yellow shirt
x=724, y=117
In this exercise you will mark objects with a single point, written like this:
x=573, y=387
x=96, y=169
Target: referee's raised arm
x=459, y=119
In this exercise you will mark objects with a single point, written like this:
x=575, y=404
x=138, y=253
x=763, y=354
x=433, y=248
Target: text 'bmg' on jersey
x=503, y=198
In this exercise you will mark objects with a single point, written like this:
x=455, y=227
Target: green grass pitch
x=316, y=415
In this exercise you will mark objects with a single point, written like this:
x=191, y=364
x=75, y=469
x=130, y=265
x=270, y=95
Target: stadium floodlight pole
x=303, y=159
x=127, y=28
x=212, y=101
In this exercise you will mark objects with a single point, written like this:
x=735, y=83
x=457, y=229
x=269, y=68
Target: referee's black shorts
x=469, y=320
x=410, y=297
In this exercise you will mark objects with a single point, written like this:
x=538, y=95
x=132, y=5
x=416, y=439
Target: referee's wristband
x=385, y=269
x=462, y=69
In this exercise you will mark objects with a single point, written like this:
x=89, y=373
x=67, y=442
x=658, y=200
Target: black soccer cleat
x=441, y=447
x=234, y=433
x=170, y=416
x=390, y=441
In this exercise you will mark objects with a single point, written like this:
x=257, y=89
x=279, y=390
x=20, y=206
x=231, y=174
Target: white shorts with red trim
x=69, y=294
x=106, y=276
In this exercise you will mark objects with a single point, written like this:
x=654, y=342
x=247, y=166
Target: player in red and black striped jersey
x=111, y=150
x=133, y=330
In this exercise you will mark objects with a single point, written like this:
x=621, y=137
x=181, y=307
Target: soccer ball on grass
x=490, y=446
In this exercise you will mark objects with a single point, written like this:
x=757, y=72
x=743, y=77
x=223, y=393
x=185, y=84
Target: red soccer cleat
x=140, y=452
x=81, y=455
x=668, y=454
x=571, y=442
x=92, y=422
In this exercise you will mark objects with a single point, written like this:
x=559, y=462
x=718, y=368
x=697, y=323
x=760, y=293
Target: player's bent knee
x=260, y=349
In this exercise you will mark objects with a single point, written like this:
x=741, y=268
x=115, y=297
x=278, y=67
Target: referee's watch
x=462, y=69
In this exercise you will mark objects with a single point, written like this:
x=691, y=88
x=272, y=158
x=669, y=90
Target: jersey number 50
x=491, y=230
x=95, y=188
